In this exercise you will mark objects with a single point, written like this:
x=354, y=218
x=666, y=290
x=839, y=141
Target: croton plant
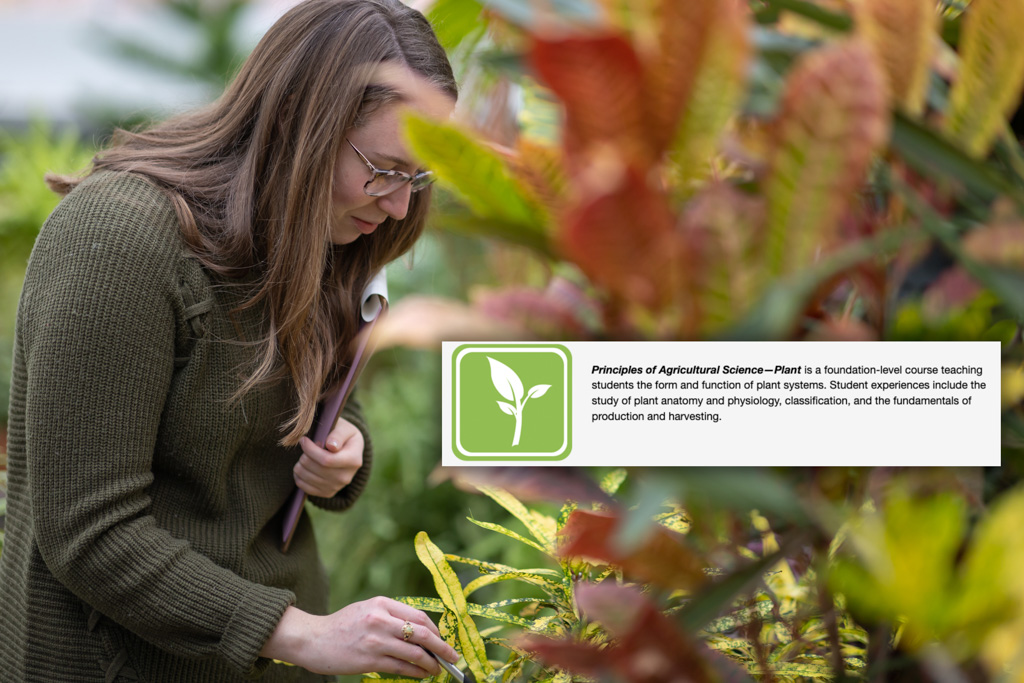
x=759, y=170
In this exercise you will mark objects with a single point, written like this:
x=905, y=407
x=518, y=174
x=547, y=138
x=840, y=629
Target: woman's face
x=380, y=140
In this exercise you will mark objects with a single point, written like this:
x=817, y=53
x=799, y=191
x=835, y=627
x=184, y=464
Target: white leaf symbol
x=506, y=381
x=538, y=391
x=506, y=408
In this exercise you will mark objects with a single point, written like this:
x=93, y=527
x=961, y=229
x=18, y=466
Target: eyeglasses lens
x=382, y=184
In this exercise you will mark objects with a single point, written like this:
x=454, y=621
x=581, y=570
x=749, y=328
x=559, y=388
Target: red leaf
x=648, y=646
x=599, y=80
x=661, y=558
x=623, y=238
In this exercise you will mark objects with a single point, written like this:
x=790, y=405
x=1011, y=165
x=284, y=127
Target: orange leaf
x=902, y=34
x=833, y=119
x=715, y=94
x=723, y=225
x=684, y=32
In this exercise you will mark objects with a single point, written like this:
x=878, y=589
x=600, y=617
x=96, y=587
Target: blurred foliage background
x=832, y=573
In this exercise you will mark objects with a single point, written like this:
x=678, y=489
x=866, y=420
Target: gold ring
x=407, y=631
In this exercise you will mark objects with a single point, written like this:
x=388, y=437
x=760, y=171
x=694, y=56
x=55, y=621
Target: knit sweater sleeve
x=96, y=329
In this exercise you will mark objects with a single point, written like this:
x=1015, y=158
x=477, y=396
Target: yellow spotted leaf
x=991, y=73
x=449, y=589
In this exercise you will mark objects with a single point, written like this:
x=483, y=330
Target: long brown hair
x=251, y=176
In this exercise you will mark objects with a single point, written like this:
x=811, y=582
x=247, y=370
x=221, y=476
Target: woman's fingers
x=422, y=631
x=364, y=636
x=322, y=471
x=393, y=665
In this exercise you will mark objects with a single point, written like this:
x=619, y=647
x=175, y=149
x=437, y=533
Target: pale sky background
x=51, y=60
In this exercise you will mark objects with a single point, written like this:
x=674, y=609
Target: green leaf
x=712, y=601
x=903, y=572
x=795, y=669
x=450, y=591
x=935, y=157
x=564, y=512
x=814, y=12
x=507, y=532
x=454, y=20
x=555, y=591
x=497, y=568
x=514, y=233
x=777, y=312
x=477, y=174
x=611, y=482
x=540, y=526
x=490, y=611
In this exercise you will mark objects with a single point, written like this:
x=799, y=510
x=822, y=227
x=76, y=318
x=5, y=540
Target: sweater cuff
x=250, y=626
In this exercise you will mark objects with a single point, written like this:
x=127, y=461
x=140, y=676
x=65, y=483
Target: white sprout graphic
x=508, y=384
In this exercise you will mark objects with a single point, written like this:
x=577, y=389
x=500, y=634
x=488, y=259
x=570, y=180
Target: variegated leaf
x=991, y=76
x=450, y=591
x=611, y=482
x=902, y=33
x=508, y=532
x=833, y=120
x=556, y=592
x=490, y=611
x=496, y=568
x=540, y=526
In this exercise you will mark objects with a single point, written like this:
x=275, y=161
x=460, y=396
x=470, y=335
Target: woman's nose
x=396, y=204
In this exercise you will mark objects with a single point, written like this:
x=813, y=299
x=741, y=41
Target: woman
x=184, y=309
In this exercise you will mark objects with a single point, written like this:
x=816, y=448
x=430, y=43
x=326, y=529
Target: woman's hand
x=325, y=471
x=363, y=637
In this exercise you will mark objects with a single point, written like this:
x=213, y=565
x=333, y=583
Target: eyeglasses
x=386, y=182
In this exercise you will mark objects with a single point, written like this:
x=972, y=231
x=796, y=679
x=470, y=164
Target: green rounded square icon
x=511, y=402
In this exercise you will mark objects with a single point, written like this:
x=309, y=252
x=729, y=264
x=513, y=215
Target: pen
x=459, y=676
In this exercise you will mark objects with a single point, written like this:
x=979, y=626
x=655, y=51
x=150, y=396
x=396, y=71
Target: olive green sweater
x=144, y=506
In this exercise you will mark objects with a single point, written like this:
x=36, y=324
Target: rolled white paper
x=375, y=296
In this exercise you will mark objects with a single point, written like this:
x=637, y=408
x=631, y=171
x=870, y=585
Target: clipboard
x=374, y=307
